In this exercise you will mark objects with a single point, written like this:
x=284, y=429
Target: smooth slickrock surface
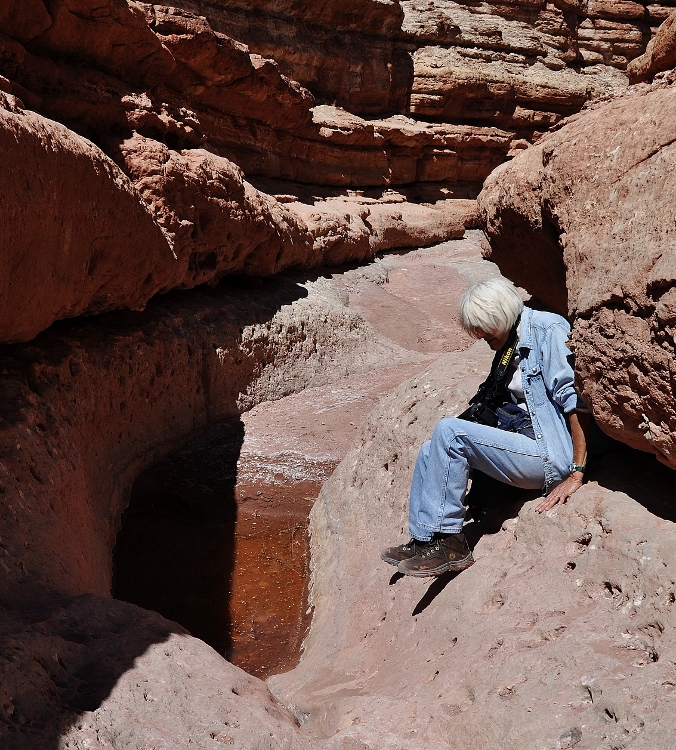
x=585, y=221
x=72, y=447
x=561, y=635
x=154, y=380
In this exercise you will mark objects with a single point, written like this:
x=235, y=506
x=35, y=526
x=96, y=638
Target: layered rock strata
x=196, y=217
x=585, y=221
x=112, y=239
x=560, y=635
x=517, y=66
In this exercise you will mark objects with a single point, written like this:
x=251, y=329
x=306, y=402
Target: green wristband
x=574, y=467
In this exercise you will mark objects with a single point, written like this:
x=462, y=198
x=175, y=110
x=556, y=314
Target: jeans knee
x=424, y=451
x=446, y=429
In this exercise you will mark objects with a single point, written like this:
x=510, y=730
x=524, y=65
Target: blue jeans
x=444, y=464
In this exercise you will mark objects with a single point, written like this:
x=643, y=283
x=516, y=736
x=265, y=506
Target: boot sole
x=434, y=572
x=390, y=560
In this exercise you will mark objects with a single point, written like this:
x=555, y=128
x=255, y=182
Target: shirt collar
x=525, y=332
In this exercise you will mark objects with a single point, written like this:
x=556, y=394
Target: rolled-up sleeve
x=557, y=367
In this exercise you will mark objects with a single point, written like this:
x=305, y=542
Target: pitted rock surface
x=585, y=220
x=560, y=635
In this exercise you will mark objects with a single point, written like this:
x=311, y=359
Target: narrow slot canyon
x=232, y=249
x=215, y=536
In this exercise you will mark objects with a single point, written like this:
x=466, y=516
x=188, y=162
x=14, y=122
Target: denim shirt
x=548, y=385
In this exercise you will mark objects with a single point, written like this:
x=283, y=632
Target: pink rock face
x=376, y=225
x=555, y=638
x=75, y=234
x=585, y=220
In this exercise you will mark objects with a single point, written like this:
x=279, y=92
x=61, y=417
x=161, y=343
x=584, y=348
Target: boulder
x=555, y=638
x=24, y=19
x=83, y=671
x=213, y=219
x=660, y=53
x=346, y=227
x=584, y=220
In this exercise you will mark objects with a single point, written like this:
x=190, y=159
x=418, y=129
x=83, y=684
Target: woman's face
x=494, y=339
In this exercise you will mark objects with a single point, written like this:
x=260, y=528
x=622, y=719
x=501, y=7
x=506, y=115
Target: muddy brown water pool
x=219, y=543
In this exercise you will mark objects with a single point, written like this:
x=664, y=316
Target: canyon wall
x=150, y=150
x=197, y=143
x=585, y=220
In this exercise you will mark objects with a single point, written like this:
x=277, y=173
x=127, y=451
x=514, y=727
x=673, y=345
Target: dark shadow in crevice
x=175, y=549
x=640, y=476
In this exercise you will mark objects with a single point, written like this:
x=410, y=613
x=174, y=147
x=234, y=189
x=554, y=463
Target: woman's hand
x=562, y=492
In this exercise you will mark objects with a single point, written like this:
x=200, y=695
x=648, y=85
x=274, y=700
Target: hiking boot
x=445, y=552
x=395, y=555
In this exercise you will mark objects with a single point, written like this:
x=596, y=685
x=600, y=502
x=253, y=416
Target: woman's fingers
x=549, y=502
x=559, y=494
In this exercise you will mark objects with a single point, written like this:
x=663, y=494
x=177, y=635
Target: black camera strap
x=497, y=377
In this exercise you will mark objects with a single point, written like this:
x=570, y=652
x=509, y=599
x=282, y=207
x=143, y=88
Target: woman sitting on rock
x=539, y=440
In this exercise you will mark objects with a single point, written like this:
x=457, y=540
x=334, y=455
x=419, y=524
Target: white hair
x=493, y=306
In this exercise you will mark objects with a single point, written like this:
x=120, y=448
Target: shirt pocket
x=533, y=381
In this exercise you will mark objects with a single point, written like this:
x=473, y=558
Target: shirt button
x=527, y=390
x=539, y=436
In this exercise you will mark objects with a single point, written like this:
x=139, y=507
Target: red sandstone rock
x=76, y=237
x=447, y=57
x=344, y=228
x=214, y=220
x=660, y=54
x=110, y=34
x=585, y=220
x=341, y=51
x=83, y=410
x=555, y=638
x=185, y=363
x=24, y=19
